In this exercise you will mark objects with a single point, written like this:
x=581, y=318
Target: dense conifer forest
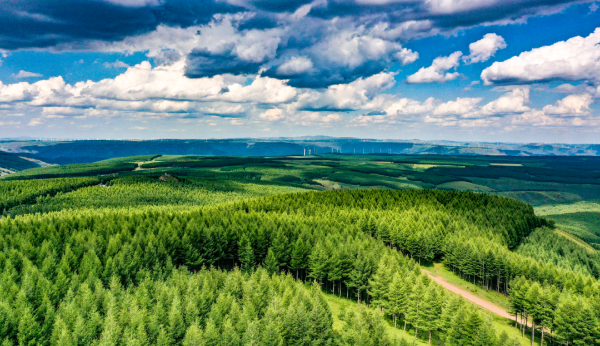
x=226, y=257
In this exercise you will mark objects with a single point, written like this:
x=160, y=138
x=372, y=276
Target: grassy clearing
x=329, y=185
x=575, y=240
x=465, y=186
x=579, y=207
x=506, y=164
x=423, y=166
x=583, y=225
x=541, y=198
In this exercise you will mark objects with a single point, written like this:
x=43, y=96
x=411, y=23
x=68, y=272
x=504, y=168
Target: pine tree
x=451, y=308
x=211, y=336
x=318, y=263
x=271, y=335
x=471, y=328
x=252, y=335
x=229, y=335
x=111, y=330
x=415, y=300
x=517, y=298
x=379, y=285
x=397, y=298
x=361, y=273
x=300, y=253
x=177, y=326
x=281, y=248
x=29, y=330
x=163, y=338
x=246, y=254
x=431, y=310
x=271, y=262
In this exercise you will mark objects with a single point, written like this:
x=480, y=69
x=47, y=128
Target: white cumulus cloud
x=462, y=106
x=578, y=58
x=406, y=56
x=35, y=122
x=347, y=96
x=572, y=105
x=485, y=48
x=437, y=72
x=295, y=66
x=512, y=102
x=25, y=74
x=273, y=114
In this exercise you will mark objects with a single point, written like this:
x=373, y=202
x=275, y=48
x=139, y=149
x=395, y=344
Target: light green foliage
x=545, y=245
x=22, y=192
x=148, y=191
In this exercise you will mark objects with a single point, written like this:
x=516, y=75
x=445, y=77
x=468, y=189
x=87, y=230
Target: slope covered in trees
x=128, y=259
x=133, y=191
x=17, y=193
x=366, y=245
x=14, y=163
x=546, y=245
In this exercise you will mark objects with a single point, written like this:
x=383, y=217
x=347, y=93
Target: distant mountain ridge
x=85, y=151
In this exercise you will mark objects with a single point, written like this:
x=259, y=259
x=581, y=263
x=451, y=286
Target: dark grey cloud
x=276, y=6
x=49, y=23
x=444, y=13
x=325, y=74
x=376, y=113
x=202, y=63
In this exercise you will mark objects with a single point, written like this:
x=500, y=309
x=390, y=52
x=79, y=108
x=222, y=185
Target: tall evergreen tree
x=431, y=310
x=246, y=254
x=271, y=262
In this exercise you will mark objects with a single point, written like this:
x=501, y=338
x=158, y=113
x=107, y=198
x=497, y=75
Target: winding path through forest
x=472, y=298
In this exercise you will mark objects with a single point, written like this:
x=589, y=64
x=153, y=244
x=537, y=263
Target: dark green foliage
x=15, y=163
x=538, y=174
x=205, y=162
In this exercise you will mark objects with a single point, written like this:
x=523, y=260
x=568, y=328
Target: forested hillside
x=171, y=250
x=10, y=163
x=50, y=261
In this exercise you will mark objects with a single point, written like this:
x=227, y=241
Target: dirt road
x=472, y=298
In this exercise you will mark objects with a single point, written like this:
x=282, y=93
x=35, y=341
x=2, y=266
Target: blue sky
x=484, y=70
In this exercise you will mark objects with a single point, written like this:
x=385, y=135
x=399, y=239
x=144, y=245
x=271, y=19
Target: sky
x=465, y=70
